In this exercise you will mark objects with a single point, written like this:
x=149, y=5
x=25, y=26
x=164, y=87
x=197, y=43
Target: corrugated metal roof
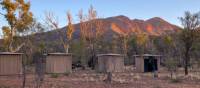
x=9, y=53
x=64, y=54
x=147, y=55
x=110, y=54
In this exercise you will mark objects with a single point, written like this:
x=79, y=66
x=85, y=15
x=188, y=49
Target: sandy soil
x=90, y=79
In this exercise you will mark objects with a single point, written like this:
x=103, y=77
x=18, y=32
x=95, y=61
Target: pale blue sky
x=169, y=10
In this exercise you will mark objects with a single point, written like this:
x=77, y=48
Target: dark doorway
x=150, y=64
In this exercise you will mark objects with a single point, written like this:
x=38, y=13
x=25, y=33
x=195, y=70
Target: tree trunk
x=109, y=77
x=67, y=49
x=186, y=61
x=186, y=68
x=171, y=74
x=11, y=40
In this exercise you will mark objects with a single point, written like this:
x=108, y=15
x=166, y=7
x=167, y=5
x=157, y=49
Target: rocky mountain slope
x=154, y=26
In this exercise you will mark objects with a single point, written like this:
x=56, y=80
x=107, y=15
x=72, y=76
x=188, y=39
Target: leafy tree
x=168, y=40
x=114, y=44
x=142, y=40
x=189, y=35
x=171, y=61
x=132, y=46
x=170, y=46
x=19, y=18
x=6, y=36
x=123, y=39
x=69, y=31
x=171, y=64
x=99, y=36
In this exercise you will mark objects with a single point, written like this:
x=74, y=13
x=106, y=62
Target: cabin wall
x=139, y=63
x=58, y=64
x=10, y=64
x=110, y=64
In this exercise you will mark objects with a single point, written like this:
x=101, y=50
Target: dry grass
x=90, y=79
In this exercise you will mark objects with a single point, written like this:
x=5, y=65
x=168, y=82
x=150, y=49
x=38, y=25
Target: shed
x=10, y=63
x=110, y=63
x=147, y=62
x=58, y=63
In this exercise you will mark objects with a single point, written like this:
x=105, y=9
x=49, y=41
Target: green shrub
x=67, y=73
x=175, y=80
x=54, y=75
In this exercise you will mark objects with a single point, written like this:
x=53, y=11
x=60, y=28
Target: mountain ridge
x=121, y=24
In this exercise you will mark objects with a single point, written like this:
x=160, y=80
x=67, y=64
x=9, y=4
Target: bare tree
x=36, y=53
x=96, y=34
x=83, y=35
x=52, y=21
x=91, y=31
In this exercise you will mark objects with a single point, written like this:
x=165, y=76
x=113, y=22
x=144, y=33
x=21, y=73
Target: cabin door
x=150, y=64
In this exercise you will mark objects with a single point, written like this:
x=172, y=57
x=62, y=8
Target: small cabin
x=147, y=62
x=10, y=63
x=58, y=63
x=110, y=63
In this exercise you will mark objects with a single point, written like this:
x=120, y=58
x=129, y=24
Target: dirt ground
x=90, y=79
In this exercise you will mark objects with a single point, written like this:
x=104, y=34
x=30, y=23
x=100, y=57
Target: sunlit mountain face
x=153, y=26
x=124, y=25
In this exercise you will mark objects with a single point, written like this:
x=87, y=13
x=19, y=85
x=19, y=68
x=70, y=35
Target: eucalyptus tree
x=189, y=35
x=19, y=17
